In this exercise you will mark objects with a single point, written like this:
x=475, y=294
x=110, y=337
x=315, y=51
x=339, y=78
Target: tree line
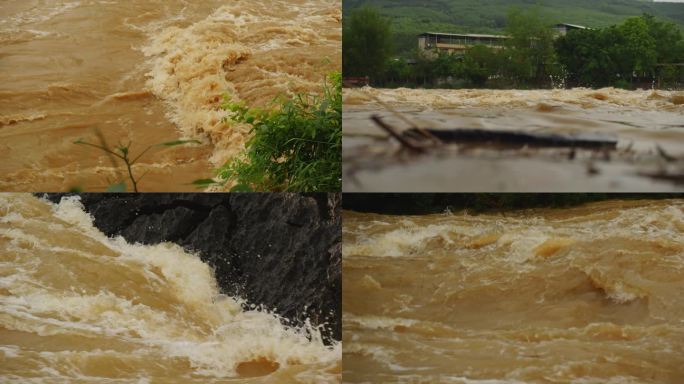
x=428, y=203
x=640, y=51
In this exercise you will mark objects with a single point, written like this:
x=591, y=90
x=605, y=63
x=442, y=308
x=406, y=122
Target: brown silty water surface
x=641, y=121
x=584, y=295
x=147, y=72
x=79, y=307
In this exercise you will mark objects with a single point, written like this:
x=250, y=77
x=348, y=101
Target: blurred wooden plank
x=517, y=138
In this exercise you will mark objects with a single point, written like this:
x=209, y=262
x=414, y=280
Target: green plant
x=122, y=152
x=530, y=46
x=639, y=48
x=367, y=43
x=296, y=147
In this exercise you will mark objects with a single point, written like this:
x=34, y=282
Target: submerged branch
x=502, y=137
x=405, y=142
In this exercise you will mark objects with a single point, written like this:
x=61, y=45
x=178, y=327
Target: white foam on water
x=175, y=310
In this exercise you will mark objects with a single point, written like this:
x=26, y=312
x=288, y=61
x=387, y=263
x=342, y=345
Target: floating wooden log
x=516, y=138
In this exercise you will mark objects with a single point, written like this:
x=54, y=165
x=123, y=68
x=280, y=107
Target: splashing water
x=582, y=295
x=80, y=307
x=148, y=72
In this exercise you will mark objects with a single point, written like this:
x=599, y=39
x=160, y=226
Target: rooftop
x=571, y=26
x=463, y=35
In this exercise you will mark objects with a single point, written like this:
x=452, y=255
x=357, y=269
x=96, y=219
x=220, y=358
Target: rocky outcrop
x=280, y=250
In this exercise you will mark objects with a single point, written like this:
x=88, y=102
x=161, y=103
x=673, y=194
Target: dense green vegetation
x=637, y=52
x=412, y=17
x=296, y=146
x=619, y=54
x=527, y=61
x=367, y=43
x=425, y=203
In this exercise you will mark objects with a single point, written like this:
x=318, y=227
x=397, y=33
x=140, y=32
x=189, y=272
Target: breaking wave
x=77, y=305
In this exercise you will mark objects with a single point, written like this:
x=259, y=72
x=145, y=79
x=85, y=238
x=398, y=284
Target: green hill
x=411, y=17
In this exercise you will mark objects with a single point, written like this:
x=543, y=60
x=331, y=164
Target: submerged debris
x=414, y=138
x=661, y=152
x=519, y=138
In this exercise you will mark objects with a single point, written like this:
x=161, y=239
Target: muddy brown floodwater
x=147, y=72
x=77, y=306
x=641, y=121
x=584, y=295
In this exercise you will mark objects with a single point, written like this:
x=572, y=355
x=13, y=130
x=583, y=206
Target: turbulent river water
x=640, y=120
x=584, y=295
x=78, y=307
x=147, y=72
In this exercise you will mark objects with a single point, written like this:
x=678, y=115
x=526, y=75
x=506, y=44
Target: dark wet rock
x=279, y=250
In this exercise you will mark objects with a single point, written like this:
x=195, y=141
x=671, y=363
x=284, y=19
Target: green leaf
x=120, y=187
x=241, y=188
x=179, y=142
x=200, y=183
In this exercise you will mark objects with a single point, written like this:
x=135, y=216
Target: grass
x=295, y=147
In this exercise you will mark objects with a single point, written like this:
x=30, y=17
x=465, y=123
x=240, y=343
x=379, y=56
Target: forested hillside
x=411, y=17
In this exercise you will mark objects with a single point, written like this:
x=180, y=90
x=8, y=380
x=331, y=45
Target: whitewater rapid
x=77, y=306
x=245, y=51
x=148, y=72
x=582, y=295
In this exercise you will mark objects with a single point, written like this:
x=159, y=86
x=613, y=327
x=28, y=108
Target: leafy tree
x=422, y=68
x=615, y=55
x=636, y=52
x=445, y=65
x=397, y=71
x=586, y=57
x=479, y=64
x=667, y=37
x=530, y=47
x=367, y=43
x=669, y=49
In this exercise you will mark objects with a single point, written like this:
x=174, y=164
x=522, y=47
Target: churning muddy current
x=641, y=121
x=147, y=72
x=79, y=307
x=583, y=295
